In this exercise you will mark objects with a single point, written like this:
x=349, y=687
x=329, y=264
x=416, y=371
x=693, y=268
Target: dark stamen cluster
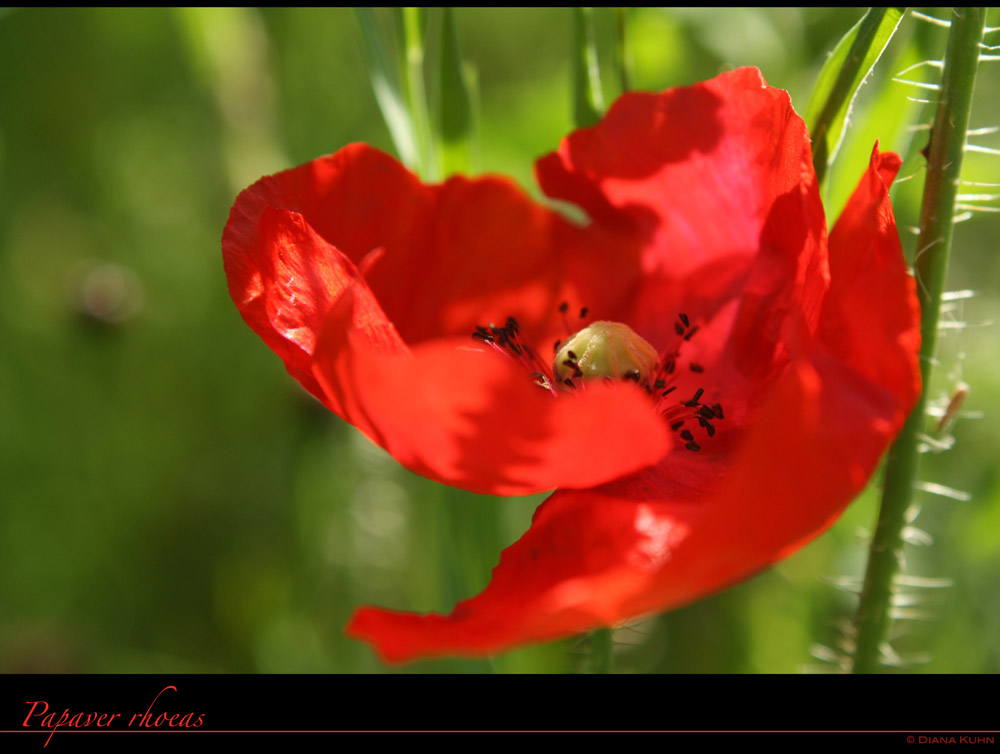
x=689, y=410
x=504, y=337
x=703, y=413
x=505, y=340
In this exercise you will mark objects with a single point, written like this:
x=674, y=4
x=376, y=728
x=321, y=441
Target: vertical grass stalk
x=412, y=21
x=455, y=102
x=621, y=47
x=951, y=120
x=588, y=100
x=384, y=69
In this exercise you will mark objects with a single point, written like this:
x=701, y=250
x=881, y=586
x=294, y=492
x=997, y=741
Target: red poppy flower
x=783, y=362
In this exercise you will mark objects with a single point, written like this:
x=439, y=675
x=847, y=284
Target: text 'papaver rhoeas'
x=743, y=371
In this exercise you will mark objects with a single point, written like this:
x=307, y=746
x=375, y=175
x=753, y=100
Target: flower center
x=614, y=351
x=606, y=350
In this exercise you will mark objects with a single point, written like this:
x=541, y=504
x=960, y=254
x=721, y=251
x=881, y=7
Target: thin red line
x=144, y=730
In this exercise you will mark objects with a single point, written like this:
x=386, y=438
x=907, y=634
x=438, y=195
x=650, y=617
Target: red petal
x=437, y=261
x=696, y=169
x=463, y=414
x=438, y=258
x=600, y=557
x=871, y=318
x=283, y=278
x=717, y=181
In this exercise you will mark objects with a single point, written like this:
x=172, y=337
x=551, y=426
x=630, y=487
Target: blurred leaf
x=841, y=77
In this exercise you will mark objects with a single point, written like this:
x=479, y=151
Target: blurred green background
x=172, y=501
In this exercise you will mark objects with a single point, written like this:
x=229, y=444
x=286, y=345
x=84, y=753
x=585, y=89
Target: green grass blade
x=413, y=23
x=841, y=77
x=588, y=101
x=388, y=92
x=621, y=47
x=455, y=102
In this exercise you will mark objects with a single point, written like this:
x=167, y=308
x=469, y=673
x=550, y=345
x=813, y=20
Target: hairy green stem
x=947, y=146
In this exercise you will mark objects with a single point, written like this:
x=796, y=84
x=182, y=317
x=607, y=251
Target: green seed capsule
x=606, y=350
